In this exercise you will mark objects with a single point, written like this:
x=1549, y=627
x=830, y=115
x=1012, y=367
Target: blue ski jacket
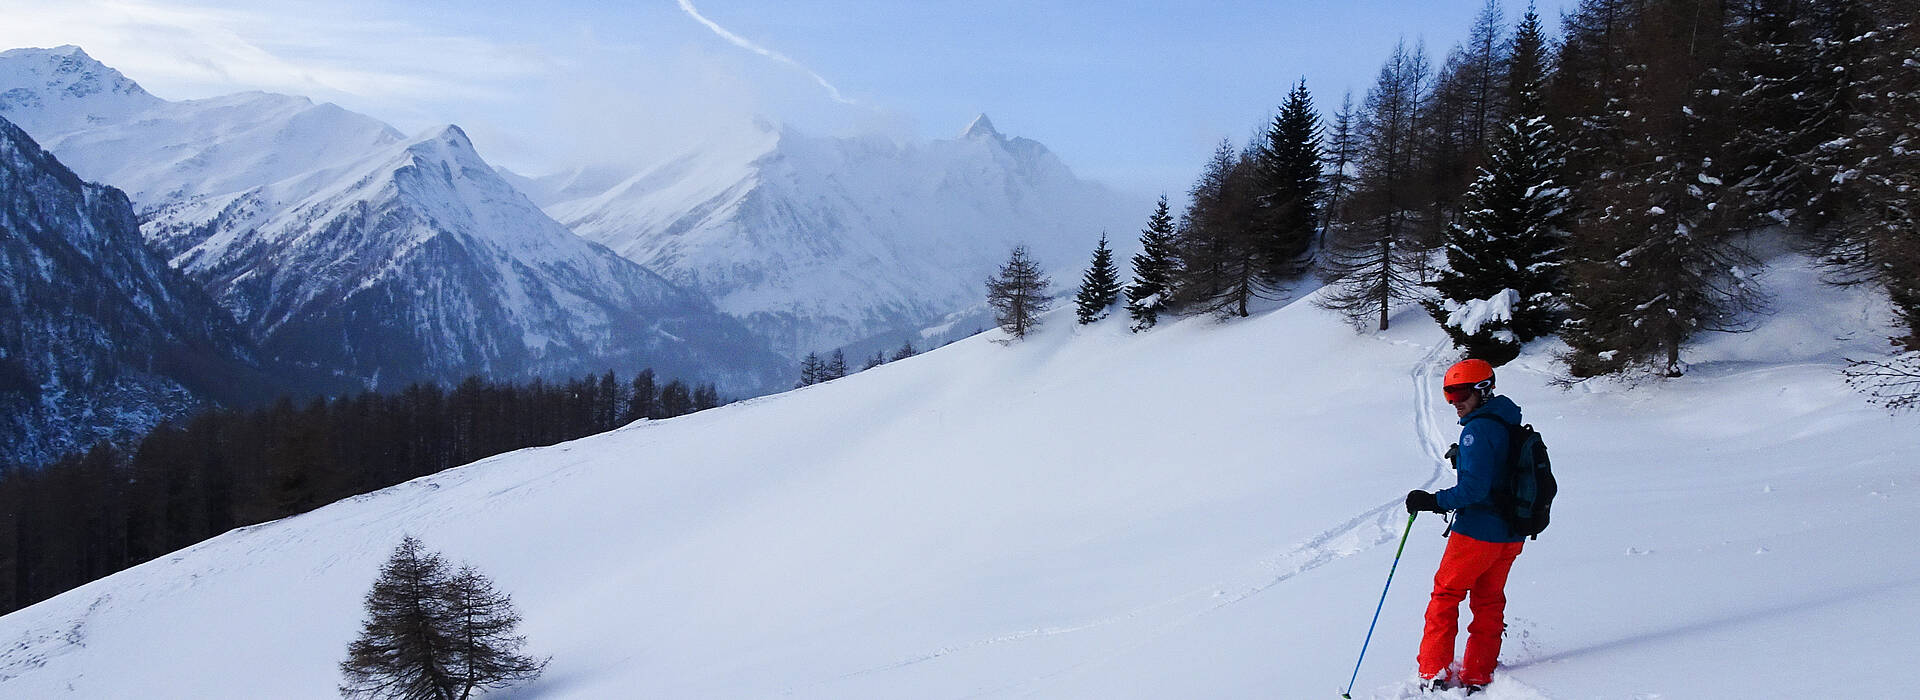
x=1482, y=462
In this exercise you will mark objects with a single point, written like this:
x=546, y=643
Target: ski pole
x=1376, y=608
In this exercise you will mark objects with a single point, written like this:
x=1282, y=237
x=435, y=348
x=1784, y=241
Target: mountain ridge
x=343, y=246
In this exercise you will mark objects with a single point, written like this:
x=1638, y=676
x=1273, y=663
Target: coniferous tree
x=675, y=399
x=606, y=407
x=812, y=370
x=906, y=350
x=1525, y=69
x=1342, y=151
x=1585, y=87
x=481, y=622
x=1018, y=294
x=1377, y=259
x=1288, y=188
x=1218, y=242
x=1099, y=287
x=1656, y=263
x=1786, y=105
x=706, y=396
x=1483, y=72
x=1508, y=248
x=836, y=366
x=644, y=402
x=406, y=646
x=879, y=358
x=1874, y=166
x=1153, y=269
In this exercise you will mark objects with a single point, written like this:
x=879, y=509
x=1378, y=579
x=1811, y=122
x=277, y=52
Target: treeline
x=1601, y=187
x=87, y=516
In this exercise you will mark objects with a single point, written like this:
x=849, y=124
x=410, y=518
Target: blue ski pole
x=1376, y=608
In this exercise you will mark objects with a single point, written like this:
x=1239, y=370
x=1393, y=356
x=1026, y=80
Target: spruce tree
x=406, y=648
x=1525, y=70
x=1508, y=246
x=1288, y=188
x=879, y=358
x=1100, y=287
x=906, y=350
x=1018, y=294
x=1153, y=269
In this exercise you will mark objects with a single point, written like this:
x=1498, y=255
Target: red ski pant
x=1476, y=568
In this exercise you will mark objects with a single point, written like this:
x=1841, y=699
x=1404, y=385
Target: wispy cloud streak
x=742, y=42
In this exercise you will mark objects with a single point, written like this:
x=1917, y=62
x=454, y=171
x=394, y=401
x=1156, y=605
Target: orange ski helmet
x=1465, y=376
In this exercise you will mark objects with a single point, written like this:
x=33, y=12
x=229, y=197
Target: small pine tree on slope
x=1100, y=287
x=405, y=647
x=431, y=635
x=1153, y=269
x=1018, y=294
x=485, y=648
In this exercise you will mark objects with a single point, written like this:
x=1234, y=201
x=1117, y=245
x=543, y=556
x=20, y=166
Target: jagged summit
x=980, y=127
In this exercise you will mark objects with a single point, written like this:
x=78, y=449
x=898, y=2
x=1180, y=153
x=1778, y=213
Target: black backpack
x=1525, y=497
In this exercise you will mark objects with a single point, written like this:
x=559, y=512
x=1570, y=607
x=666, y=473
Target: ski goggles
x=1460, y=392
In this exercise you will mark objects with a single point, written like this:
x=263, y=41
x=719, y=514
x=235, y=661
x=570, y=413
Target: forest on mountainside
x=90, y=515
x=1604, y=186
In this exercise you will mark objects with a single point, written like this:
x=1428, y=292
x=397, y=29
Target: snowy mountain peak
x=455, y=137
x=63, y=88
x=981, y=127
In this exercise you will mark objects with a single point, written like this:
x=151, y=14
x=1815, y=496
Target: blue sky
x=1130, y=92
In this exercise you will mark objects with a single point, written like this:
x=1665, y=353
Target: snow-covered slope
x=822, y=242
x=1202, y=511
x=99, y=338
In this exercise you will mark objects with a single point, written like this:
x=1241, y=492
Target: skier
x=1481, y=547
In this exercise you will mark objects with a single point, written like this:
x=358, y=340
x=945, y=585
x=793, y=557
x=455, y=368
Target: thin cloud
x=737, y=40
x=200, y=50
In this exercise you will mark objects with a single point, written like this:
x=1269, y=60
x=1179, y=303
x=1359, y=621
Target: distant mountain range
x=343, y=253
x=819, y=243
x=342, y=246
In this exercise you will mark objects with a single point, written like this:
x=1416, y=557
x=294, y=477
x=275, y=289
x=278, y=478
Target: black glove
x=1418, y=500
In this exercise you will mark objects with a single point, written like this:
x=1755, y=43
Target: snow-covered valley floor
x=1207, y=510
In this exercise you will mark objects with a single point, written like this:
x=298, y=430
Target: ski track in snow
x=36, y=647
x=1372, y=528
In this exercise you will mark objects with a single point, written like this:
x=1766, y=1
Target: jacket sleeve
x=1479, y=463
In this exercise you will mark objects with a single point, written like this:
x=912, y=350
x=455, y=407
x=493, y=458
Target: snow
x=1474, y=313
x=1203, y=510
